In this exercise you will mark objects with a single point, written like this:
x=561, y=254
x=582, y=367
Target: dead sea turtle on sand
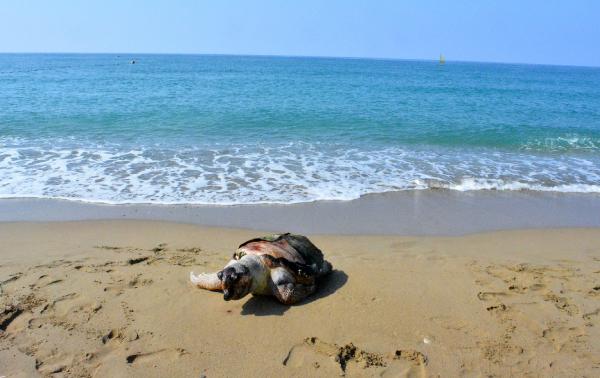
x=285, y=266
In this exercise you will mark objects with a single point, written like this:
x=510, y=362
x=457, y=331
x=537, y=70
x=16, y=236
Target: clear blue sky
x=529, y=31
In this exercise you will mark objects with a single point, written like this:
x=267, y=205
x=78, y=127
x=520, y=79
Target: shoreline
x=433, y=212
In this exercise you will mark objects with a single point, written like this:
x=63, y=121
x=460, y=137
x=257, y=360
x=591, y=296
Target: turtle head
x=237, y=281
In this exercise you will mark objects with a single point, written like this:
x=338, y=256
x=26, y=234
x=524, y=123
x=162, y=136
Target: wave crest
x=565, y=143
x=287, y=173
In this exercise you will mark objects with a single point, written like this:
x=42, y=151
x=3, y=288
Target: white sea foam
x=569, y=142
x=294, y=172
x=469, y=184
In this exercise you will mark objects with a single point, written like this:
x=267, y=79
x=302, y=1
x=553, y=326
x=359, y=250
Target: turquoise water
x=233, y=129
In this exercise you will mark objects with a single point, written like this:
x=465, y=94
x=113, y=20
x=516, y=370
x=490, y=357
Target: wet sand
x=416, y=212
x=112, y=298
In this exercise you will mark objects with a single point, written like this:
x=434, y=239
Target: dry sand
x=112, y=298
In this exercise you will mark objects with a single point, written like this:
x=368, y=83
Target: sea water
x=249, y=129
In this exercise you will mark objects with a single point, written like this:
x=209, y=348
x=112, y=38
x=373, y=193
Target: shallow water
x=232, y=129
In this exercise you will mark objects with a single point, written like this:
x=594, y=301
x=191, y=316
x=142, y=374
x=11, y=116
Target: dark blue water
x=225, y=129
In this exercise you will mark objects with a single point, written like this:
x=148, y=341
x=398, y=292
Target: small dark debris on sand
x=108, y=247
x=137, y=260
x=160, y=248
x=194, y=250
x=131, y=358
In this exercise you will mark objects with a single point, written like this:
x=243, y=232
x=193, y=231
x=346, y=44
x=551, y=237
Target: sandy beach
x=112, y=298
x=299, y=189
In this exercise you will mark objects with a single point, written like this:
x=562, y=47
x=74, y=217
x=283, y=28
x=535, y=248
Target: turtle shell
x=295, y=252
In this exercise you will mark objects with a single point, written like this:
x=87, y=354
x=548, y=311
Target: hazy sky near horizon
x=532, y=31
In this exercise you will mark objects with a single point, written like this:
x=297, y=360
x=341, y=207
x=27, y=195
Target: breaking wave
x=285, y=173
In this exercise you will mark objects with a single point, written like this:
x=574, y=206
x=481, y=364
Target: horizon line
x=294, y=56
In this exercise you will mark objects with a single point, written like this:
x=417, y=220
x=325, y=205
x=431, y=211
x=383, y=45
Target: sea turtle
x=285, y=266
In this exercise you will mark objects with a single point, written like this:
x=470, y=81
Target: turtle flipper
x=289, y=293
x=326, y=268
x=302, y=273
x=207, y=281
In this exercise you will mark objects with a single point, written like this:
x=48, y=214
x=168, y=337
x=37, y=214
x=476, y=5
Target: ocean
x=203, y=129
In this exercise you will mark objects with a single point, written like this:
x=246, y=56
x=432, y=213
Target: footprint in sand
x=120, y=335
x=138, y=282
x=498, y=350
x=449, y=323
x=564, y=336
x=121, y=282
x=332, y=359
x=8, y=315
x=591, y=316
x=69, y=310
x=562, y=303
x=11, y=278
x=44, y=281
x=127, y=312
x=160, y=253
